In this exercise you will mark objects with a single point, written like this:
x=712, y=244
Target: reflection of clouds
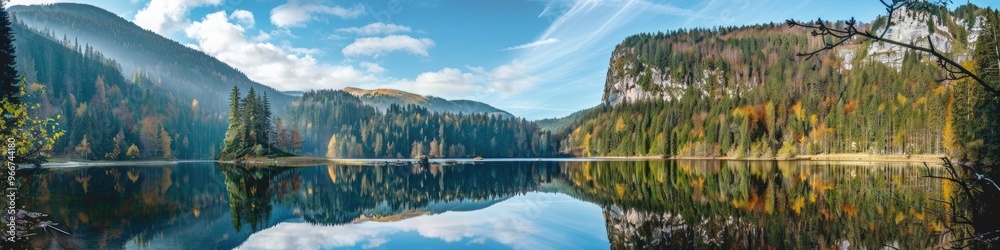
x=520, y=222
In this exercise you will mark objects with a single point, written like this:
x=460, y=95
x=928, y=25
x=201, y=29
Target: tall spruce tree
x=250, y=118
x=8, y=73
x=9, y=83
x=268, y=132
x=987, y=106
x=234, y=133
x=250, y=128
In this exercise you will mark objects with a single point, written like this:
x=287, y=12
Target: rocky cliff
x=733, y=60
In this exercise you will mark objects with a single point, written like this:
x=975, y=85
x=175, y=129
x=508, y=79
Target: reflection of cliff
x=647, y=204
x=761, y=204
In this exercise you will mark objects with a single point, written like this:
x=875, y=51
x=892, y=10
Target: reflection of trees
x=109, y=206
x=341, y=194
x=251, y=191
x=768, y=204
x=975, y=202
x=684, y=204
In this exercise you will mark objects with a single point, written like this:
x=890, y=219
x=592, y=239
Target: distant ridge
x=383, y=98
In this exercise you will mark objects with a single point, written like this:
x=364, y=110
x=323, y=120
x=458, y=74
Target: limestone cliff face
x=631, y=78
x=622, y=84
x=923, y=29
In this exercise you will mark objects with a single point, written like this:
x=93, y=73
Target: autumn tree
x=133, y=152
x=33, y=137
x=296, y=141
x=331, y=148
x=118, y=140
x=165, y=144
x=83, y=149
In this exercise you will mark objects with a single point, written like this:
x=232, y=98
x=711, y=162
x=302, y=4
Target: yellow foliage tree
x=620, y=125
x=32, y=137
x=949, y=136
x=165, y=143
x=132, y=152
x=84, y=148
x=331, y=147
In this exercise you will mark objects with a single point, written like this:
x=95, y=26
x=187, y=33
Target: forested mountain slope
x=106, y=115
x=383, y=98
x=168, y=62
x=173, y=103
x=340, y=124
x=742, y=91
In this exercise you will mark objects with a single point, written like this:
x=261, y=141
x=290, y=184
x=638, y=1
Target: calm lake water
x=495, y=205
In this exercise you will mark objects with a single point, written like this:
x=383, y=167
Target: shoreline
x=830, y=157
x=302, y=161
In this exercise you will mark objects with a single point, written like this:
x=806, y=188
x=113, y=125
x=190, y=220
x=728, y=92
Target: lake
x=495, y=205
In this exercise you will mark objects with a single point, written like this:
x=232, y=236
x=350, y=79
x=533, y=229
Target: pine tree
x=987, y=60
x=249, y=112
x=234, y=133
x=265, y=121
x=9, y=84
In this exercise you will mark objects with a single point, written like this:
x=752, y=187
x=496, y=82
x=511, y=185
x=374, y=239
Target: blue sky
x=534, y=58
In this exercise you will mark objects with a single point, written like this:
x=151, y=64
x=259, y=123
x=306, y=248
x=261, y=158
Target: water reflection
x=764, y=204
x=531, y=221
x=631, y=204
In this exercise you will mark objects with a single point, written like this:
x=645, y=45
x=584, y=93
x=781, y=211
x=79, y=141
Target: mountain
x=558, y=124
x=104, y=114
x=664, y=66
x=743, y=92
x=338, y=124
x=383, y=98
x=171, y=64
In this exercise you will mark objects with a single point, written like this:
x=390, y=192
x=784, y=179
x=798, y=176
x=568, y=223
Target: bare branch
x=954, y=70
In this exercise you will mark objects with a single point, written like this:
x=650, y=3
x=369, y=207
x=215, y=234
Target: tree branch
x=954, y=70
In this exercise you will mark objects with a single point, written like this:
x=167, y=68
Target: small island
x=250, y=137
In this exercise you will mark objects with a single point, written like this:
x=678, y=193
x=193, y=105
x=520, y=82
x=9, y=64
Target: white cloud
x=372, y=68
x=243, y=17
x=267, y=63
x=376, y=29
x=261, y=37
x=449, y=83
x=287, y=67
x=477, y=83
x=296, y=13
x=511, y=78
x=168, y=16
x=376, y=46
x=287, y=46
x=534, y=44
x=573, y=72
x=531, y=221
